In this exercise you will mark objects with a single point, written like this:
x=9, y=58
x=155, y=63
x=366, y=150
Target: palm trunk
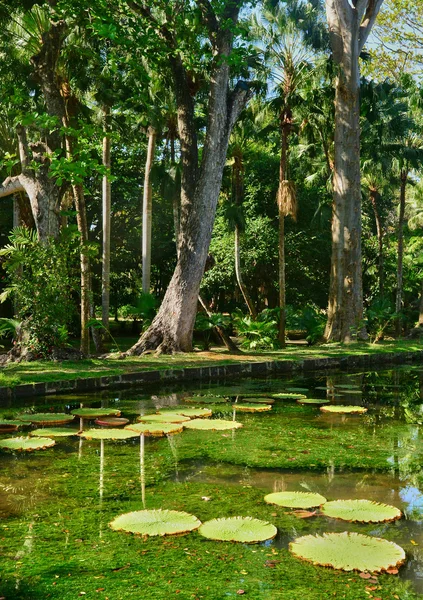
x=399, y=294
x=285, y=129
x=238, y=193
x=238, y=274
x=147, y=212
x=81, y=220
x=374, y=195
x=105, y=272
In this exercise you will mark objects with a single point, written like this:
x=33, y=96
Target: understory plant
x=310, y=320
x=206, y=325
x=257, y=334
x=43, y=283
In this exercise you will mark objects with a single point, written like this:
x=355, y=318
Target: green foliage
x=309, y=320
x=259, y=334
x=42, y=280
x=380, y=315
x=206, y=324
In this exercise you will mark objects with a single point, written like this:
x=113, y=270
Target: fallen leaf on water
x=414, y=543
x=365, y=575
x=240, y=592
x=304, y=514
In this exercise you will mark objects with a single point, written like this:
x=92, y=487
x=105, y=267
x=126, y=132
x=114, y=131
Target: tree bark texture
x=106, y=215
x=374, y=195
x=172, y=328
x=147, y=212
x=349, y=25
x=400, y=260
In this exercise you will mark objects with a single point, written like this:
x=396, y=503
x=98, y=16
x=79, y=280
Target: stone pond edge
x=248, y=369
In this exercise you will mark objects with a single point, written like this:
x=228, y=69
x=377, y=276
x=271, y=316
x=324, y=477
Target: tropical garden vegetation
x=210, y=168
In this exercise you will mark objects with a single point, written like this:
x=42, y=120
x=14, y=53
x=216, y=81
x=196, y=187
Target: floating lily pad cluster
x=346, y=551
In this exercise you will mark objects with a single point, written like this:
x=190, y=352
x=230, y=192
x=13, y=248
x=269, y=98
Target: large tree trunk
x=147, y=212
x=399, y=294
x=350, y=24
x=171, y=329
x=374, y=195
x=106, y=210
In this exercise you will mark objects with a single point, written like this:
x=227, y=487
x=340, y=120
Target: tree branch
x=210, y=19
x=23, y=146
x=372, y=12
x=237, y=102
x=162, y=30
x=10, y=186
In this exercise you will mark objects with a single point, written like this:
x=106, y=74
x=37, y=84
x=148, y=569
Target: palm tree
x=287, y=58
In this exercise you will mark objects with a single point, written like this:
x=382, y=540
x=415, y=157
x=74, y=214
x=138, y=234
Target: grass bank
x=13, y=375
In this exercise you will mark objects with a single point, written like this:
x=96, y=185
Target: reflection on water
x=31, y=484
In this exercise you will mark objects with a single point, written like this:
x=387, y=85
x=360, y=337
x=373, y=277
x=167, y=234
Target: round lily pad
x=288, y=396
x=156, y=522
x=155, y=429
x=238, y=529
x=192, y=412
x=9, y=426
x=295, y=499
x=212, y=424
x=205, y=399
x=346, y=386
x=54, y=432
x=348, y=551
x=258, y=400
x=108, y=434
x=344, y=410
x=26, y=444
x=46, y=418
x=312, y=401
x=111, y=421
x=363, y=511
x=244, y=407
x=164, y=417
x=95, y=413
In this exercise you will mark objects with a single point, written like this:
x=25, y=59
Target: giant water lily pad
x=108, y=434
x=155, y=429
x=363, y=511
x=238, y=529
x=348, y=551
x=295, y=499
x=212, y=424
x=26, y=444
x=247, y=407
x=51, y=432
x=95, y=413
x=258, y=400
x=191, y=412
x=164, y=417
x=9, y=426
x=46, y=418
x=156, y=522
x=344, y=410
x=315, y=401
x=111, y=421
x=288, y=396
x=205, y=399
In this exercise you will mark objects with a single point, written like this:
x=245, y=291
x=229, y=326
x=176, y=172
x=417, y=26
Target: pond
x=56, y=504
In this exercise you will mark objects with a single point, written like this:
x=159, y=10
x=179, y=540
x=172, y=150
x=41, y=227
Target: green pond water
x=56, y=504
